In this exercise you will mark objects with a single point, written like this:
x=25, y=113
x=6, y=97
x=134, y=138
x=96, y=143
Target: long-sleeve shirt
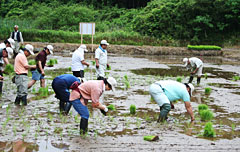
x=15, y=36
x=90, y=90
x=195, y=62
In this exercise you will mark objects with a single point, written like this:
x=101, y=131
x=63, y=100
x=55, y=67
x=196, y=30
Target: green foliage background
x=131, y=22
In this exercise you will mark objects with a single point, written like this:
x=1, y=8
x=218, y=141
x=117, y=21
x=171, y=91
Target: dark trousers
x=1, y=83
x=79, y=73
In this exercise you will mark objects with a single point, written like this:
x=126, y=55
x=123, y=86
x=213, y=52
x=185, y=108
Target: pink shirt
x=20, y=62
x=90, y=90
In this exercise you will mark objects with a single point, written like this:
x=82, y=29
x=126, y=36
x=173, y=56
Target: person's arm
x=189, y=110
x=195, y=71
x=97, y=56
x=84, y=62
x=40, y=67
x=21, y=38
x=5, y=59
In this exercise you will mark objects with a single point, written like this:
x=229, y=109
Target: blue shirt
x=69, y=79
x=175, y=90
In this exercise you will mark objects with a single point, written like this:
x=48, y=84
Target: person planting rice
x=90, y=90
x=5, y=53
x=38, y=74
x=21, y=69
x=78, y=61
x=166, y=91
x=61, y=85
x=8, y=43
x=196, y=65
x=101, y=59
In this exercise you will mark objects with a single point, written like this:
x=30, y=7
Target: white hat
x=112, y=82
x=104, y=42
x=50, y=48
x=12, y=42
x=185, y=60
x=10, y=52
x=29, y=47
x=84, y=47
x=16, y=26
x=191, y=87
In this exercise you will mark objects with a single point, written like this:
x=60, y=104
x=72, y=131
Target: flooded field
x=40, y=127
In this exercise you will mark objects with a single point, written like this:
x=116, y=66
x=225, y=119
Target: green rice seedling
x=69, y=69
x=51, y=63
x=151, y=138
x=111, y=107
x=58, y=130
x=233, y=127
x=109, y=67
x=203, y=47
x=43, y=92
x=32, y=62
x=236, y=78
x=179, y=79
x=126, y=77
x=55, y=61
x=202, y=107
x=93, y=63
x=209, y=130
x=206, y=115
x=132, y=109
x=9, y=69
x=205, y=76
x=126, y=82
x=208, y=91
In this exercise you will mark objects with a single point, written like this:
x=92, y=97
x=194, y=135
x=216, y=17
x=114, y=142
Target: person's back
x=77, y=57
x=195, y=62
x=69, y=79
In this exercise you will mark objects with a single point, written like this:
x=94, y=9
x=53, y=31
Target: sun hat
x=185, y=60
x=84, y=47
x=104, y=42
x=10, y=52
x=30, y=48
x=50, y=48
x=112, y=82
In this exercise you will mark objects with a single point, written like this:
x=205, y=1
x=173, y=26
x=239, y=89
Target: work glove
x=97, y=66
x=104, y=112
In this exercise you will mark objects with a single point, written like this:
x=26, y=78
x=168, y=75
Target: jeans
x=60, y=88
x=36, y=75
x=80, y=108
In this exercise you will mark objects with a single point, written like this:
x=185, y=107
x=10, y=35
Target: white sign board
x=87, y=28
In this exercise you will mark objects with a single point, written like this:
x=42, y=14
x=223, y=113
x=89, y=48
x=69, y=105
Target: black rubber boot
x=198, y=80
x=61, y=106
x=1, y=85
x=67, y=108
x=17, y=100
x=100, y=78
x=83, y=126
x=24, y=100
x=190, y=79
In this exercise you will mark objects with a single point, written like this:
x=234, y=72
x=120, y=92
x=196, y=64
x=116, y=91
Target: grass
x=203, y=47
x=132, y=109
x=202, y=107
x=9, y=69
x=208, y=91
x=236, y=78
x=209, y=130
x=111, y=107
x=206, y=115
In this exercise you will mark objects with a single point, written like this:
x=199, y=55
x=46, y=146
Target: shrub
x=111, y=107
x=206, y=115
x=208, y=130
x=32, y=62
x=202, y=107
x=203, y=47
x=179, y=79
x=9, y=69
x=132, y=109
x=208, y=91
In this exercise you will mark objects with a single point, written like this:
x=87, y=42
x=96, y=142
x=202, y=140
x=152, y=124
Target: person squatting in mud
x=166, y=91
x=61, y=85
x=89, y=90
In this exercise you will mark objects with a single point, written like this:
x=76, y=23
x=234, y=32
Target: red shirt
x=42, y=56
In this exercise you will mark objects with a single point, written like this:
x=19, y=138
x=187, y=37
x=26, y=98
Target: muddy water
x=39, y=127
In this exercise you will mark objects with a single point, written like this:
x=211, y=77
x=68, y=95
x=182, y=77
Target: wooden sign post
x=87, y=29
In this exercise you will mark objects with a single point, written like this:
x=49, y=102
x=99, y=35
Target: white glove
x=105, y=108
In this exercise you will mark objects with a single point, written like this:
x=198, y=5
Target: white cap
x=191, y=87
x=12, y=42
x=84, y=47
x=112, y=82
x=50, y=48
x=29, y=47
x=185, y=60
x=10, y=52
x=15, y=26
x=104, y=42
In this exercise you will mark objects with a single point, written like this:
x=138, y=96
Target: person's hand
x=1, y=77
x=104, y=112
x=192, y=119
x=97, y=66
x=87, y=65
x=172, y=106
x=43, y=73
x=108, y=66
x=192, y=73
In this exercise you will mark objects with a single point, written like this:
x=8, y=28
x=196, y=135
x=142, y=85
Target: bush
x=9, y=69
x=203, y=47
x=206, y=115
x=208, y=130
x=208, y=91
x=132, y=109
x=202, y=107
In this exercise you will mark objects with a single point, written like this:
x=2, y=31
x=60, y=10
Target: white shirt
x=15, y=36
x=101, y=56
x=195, y=62
x=2, y=45
x=77, y=58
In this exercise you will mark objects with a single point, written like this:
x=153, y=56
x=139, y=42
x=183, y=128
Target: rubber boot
x=67, y=108
x=190, y=79
x=83, y=126
x=1, y=85
x=17, y=100
x=100, y=78
x=198, y=80
x=61, y=106
x=24, y=100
